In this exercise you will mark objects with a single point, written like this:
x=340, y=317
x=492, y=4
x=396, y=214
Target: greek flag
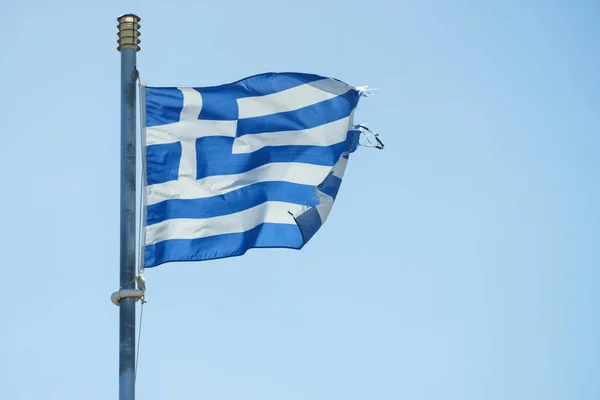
x=252, y=164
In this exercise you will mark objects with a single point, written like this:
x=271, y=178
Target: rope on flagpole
x=142, y=222
x=141, y=282
x=137, y=352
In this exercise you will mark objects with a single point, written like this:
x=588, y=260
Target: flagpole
x=128, y=32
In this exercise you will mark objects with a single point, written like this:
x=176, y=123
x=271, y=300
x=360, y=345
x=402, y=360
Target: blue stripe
x=220, y=102
x=214, y=155
x=352, y=141
x=304, y=118
x=162, y=162
x=331, y=185
x=267, y=235
x=309, y=223
x=272, y=82
x=163, y=105
x=232, y=202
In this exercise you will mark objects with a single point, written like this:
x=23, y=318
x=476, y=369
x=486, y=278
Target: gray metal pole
x=128, y=46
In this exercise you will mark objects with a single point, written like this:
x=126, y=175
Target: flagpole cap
x=128, y=32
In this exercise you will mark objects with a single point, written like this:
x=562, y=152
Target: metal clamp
x=125, y=293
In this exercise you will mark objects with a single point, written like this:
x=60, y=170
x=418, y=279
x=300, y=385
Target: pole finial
x=128, y=32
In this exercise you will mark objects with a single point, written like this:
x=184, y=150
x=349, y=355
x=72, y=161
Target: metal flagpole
x=128, y=32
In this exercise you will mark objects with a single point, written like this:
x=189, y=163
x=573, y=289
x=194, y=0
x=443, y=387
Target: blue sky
x=459, y=263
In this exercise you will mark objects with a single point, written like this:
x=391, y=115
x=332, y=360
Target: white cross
x=192, y=105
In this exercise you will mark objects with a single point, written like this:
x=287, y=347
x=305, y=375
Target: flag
x=252, y=164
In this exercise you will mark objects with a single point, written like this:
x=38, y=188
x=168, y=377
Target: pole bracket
x=125, y=293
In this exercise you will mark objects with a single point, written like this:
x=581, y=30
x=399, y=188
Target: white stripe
x=291, y=99
x=340, y=167
x=187, y=162
x=171, y=133
x=306, y=174
x=322, y=135
x=192, y=104
x=326, y=201
x=325, y=206
x=187, y=228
